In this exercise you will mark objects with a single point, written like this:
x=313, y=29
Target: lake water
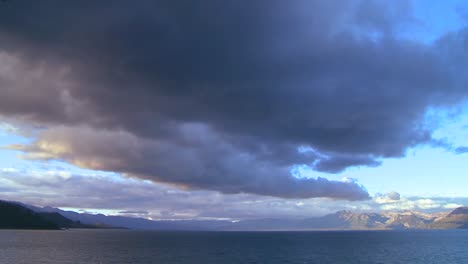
x=134, y=247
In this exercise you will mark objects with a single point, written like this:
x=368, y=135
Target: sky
x=234, y=110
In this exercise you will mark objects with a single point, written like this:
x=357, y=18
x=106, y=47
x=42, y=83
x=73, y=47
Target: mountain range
x=17, y=216
x=53, y=218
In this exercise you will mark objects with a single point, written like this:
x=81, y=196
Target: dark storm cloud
x=263, y=77
x=205, y=161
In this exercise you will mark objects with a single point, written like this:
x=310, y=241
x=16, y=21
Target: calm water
x=133, y=247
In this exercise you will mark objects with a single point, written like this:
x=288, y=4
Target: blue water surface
x=134, y=247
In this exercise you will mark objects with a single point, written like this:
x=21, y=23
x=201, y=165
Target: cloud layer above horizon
x=113, y=194
x=225, y=96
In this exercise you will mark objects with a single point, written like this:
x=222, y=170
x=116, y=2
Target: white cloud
x=391, y=197
x=7, y=128
x=452, y=205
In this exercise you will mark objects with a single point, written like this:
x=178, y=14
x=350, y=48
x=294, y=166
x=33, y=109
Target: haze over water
x=141, y=247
